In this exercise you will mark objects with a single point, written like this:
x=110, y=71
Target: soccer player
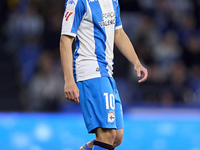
x=96, y=26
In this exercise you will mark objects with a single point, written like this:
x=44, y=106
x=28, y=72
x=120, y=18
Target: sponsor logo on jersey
x=97, y=69
x=111, y=116
x=109, y=19
x=68, y=14
x=71, y=2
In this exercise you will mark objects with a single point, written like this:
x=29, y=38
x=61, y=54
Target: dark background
x=165, y=34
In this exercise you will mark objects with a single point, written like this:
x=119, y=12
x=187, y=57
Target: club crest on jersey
x=71, y=2
x=111, y=117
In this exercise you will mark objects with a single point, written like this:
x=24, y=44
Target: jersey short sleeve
x=73, y=15
x=118, y=24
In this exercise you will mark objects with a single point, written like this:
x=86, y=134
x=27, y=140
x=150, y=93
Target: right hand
x=71, y=91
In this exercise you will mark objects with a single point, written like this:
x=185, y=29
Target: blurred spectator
x=163, y=16
x=25, y=29
x=177, y=82
x=167, y=51
x=45, y=90
x=187, y=27
x=148, y=31
x=194, y=84
x=191, y=55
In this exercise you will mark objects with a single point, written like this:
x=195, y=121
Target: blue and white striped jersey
x=93, y=23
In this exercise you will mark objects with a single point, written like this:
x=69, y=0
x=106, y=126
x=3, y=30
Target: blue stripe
x=117, y=12
x=76, y=55
x=80, y=10
x=99, y=37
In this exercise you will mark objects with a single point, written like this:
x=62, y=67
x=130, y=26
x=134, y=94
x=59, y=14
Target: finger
x=139, y=72
x=76, y=96
x=66, y=95
x=72, y=98
x=144, y=74
x=76, y=100
x=141, y=80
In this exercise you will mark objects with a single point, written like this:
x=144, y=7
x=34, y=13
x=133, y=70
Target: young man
x=96, y=25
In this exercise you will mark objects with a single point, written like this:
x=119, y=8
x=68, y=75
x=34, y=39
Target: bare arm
x=126, y=48
x=70, y=89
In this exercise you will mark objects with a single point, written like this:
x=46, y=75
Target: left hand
x=141, y=72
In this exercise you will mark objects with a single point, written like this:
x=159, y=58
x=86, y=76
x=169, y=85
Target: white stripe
x=86, y=63
x=67, y=25
x=118, y=27
x=107, y=7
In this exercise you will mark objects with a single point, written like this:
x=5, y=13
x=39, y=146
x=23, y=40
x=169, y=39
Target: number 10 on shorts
x=110, y=99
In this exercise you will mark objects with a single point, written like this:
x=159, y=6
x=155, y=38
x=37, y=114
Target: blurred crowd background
x=165, y=34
